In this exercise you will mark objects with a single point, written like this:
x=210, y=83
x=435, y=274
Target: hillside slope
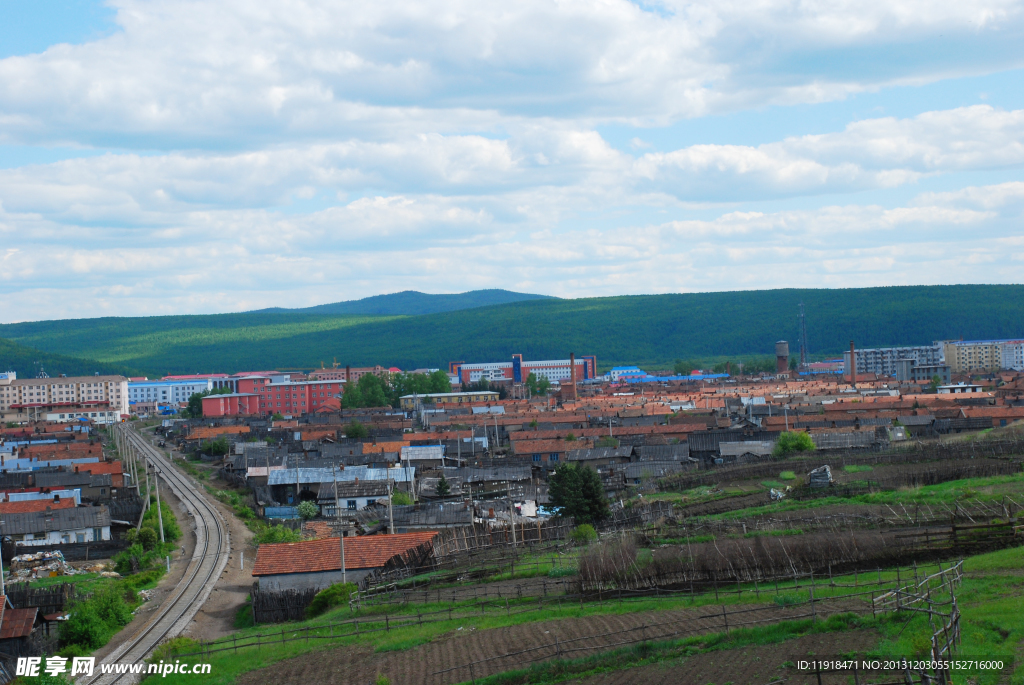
x=648, y=329
x=414, y=303
x=27, y=362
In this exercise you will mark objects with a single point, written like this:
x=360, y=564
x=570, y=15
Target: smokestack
x=348, y=372
x=572, y=374
x=853, y=366
x=781, y=357
x=728, y=368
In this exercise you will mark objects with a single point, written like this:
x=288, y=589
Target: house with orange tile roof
x=316, y=564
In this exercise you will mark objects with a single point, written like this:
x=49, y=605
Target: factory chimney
x=572, y=377
x=853, y=366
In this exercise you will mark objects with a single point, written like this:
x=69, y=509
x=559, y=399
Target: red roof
x=34, y=505
x=311, y=556
x=97, y=468
x=18, y=622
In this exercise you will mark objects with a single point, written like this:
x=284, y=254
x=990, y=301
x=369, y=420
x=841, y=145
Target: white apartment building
x=101, y=399
x=166, y=391
x=882, y=360
x=1013, y=355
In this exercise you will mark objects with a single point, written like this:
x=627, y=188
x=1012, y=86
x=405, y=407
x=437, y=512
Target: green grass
x=787, y=475
x=853, y=468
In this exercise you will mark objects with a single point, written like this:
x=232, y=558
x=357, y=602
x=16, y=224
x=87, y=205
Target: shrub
x=147, y=538
x=271, y=534
x=793, y=441
x=382, y=680
x=123, y=560
x=400, y=498
x=584, y=534
x=330, y=597
x=788, y=475
x=308, y=510
x=83, y=628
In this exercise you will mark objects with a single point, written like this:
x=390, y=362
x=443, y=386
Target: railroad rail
x=204, y=568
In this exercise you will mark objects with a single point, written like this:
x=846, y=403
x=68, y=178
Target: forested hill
x=28, y=363
x=413, y=303
x=648, y=329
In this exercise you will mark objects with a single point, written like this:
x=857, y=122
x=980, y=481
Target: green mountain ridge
x=27, y=362
x=642, y=329
x=413, y=303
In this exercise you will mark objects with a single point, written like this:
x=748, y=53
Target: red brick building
x=257, y=395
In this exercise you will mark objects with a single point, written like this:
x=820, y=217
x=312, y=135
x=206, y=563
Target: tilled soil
x=758, y=665
x=504, y=648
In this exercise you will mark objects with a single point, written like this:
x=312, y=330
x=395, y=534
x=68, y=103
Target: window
x=536, y=457
x=553, y=456
x=351, y=505
x=97, y=533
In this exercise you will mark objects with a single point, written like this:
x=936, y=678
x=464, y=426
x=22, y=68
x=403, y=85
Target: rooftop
x=311, y=556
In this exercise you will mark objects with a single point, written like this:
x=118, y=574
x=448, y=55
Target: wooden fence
x=50, y=600
x=280, y=606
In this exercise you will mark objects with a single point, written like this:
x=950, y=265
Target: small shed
x=820, y=477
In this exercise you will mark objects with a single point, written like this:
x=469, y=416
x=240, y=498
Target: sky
x=186, y=157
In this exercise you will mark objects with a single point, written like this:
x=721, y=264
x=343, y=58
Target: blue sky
x=182, y=157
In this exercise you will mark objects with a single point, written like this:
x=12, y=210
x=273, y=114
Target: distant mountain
x=642, y=329
x=413, y=303
x=28, y=362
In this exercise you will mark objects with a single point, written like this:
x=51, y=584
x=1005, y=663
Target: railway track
x=206, y=565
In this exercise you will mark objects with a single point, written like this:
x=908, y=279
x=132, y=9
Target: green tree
x=400, y=498
x=278, y=416
x=439, y=382
x=373, y=391
x=353, y=397
x=194, y=410
x=216, y=448
x=537, y=386
x=575, y=490
x=444, y=488
x=933, y=386
x=793, y=441
x=147, y=538
x=356, y=431
x=683, y=368
x=308, y=510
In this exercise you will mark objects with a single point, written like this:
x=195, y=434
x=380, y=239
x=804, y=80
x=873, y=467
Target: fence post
x=725, y=617
x=814, y=614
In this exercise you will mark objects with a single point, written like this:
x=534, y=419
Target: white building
x=882, y=360
x=1013, y=355
x=167, y=391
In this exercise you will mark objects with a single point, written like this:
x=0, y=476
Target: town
x=363, y=488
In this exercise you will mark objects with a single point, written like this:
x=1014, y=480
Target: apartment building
x=102, y=399
x=260, y=395
x=166, y=391
x=966, y=356
x=1013, y=355
x=883, y=360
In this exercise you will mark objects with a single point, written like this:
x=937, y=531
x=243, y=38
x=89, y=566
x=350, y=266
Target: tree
x=575, y=490
x=278, y=416
x=537, y=386
x=373, y=392
x=356, y=430
x=216, y=448
x=400, y=498
x=793, y=441
x=308, y=510
x=147, y=538
x=439, y=382
x=194, y=410
x=444, y=488
x=683, y=368
x=353, y=398
x=935, y=383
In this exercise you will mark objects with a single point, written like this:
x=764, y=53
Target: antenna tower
x=803, y=337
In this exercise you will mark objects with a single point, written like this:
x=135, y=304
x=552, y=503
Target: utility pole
x=391, y=513
x=341, y=528
x=159, y=514
x=511, y=512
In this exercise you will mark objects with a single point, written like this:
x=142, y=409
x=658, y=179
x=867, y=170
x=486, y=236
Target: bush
x=308, y=510
x=123, y=560
x=584, y=534
x=400, y=498
x=83, y=628
x=266, y=535
x=330, y=597
x=147, y=538
x=793, y=441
